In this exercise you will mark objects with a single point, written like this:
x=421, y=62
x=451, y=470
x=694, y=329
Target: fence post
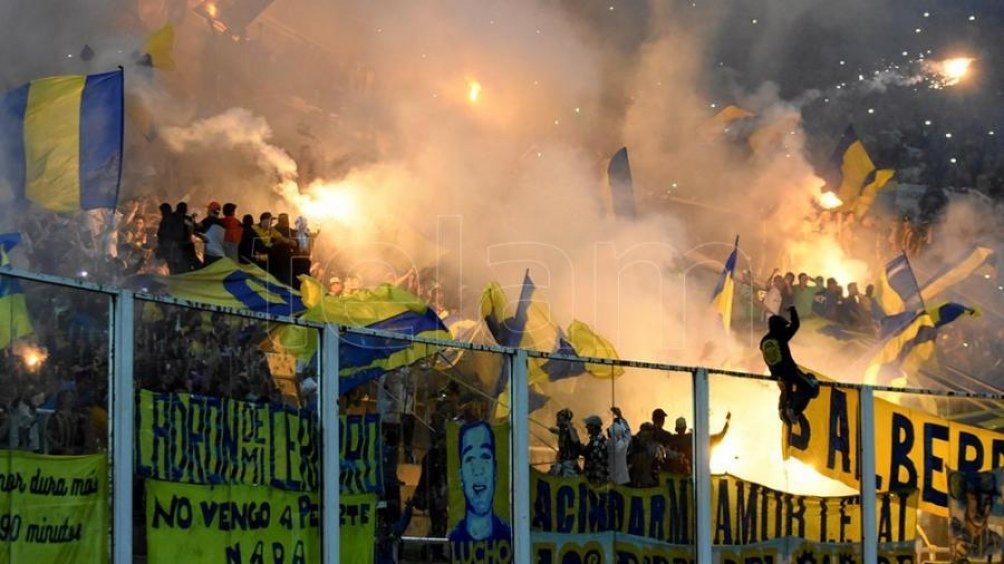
x=519, y=392
x=702, y=466
x=327, y=413
x=121, y=401
x=869, y=531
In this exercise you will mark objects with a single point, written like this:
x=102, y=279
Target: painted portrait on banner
x=976, y=516
x=478, y=466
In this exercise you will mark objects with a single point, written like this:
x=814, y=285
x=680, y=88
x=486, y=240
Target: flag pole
x=118, y=183
x=728, y=342
x=613, y=391
x=920, y=295
x=107, y=238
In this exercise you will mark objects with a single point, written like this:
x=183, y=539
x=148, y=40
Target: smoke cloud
x=361, y=118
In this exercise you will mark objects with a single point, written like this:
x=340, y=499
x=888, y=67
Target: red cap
x=214, y=206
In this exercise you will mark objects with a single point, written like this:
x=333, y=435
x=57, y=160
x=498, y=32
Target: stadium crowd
x=57, y=404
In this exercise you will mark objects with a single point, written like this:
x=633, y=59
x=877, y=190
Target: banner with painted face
x=913, y=449
x=976, y=516
x=212, y=440
x=478, y=480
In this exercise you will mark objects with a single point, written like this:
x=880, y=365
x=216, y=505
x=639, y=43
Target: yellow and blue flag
x=905, y=351
x=586, y=342
x=228, y=284
x=897, y=291
x=875, y=181
x=7, y=242
x=531, y=327
x=721, y=299
x=14, y=320
x=61, y=141
x=621, y=186
x=957, y=271
x=908, y=330
x=363, y=358
x=513, y=332
x=852, y=175
x=948, y=312
x=913, y=343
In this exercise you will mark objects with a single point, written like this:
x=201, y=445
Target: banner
x=55, y=508
x=744, y=514
x=554, y=548
x=477, y=466
x=212, y=440
x=358, y=528
x=246, y=524
x=914, y=449
x=976, y=516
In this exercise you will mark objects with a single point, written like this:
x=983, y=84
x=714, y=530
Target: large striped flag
x=228, y=284
x=902, y=353
x=957, y=271
x=912, y=341
x=721, y=299
x=61, y=141
x=362, y=358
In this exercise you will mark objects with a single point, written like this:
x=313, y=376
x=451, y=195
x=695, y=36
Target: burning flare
x=955, y=69
x=829, y=201
x=329, y=201
x=950, y=71
x=473, y=91
x=723, y=456
x=33, y=357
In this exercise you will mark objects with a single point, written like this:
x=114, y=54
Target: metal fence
x=121, y=431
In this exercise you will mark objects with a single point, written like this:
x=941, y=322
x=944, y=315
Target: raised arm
x=717, y=437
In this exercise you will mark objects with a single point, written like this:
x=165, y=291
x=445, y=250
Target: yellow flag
x=160, y=47
x=587, y=342
x=311, y=290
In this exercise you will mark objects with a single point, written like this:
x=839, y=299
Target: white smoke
x=234, y=129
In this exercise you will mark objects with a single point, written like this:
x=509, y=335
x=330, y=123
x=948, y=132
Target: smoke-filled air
x=445, y=145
